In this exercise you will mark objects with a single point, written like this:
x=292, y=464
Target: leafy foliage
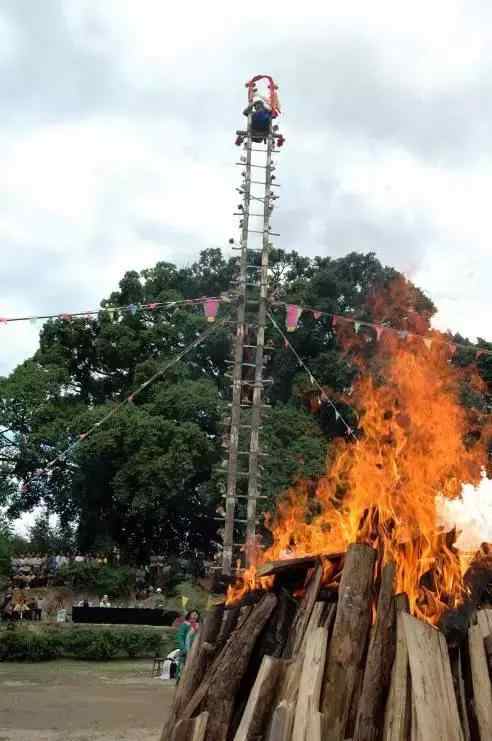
x=97, y=579
x=146, y=481
x=90, y=644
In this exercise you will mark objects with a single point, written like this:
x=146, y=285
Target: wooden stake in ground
x=433, y=695
x=348, y=643
x=481, y=681
x=380, y=656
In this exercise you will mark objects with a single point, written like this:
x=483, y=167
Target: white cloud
x=118, y=127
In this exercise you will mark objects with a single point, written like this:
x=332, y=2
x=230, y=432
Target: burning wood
x=295, y=668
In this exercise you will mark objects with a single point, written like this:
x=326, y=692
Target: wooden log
x=348, y=642
x=398, y=714
x=197, y=662
x=303, y=615
x=231, y=617
x=309, y=694
x=274, y=568
x=282, y=720
x=259, y=706
x=193, y=729
x=481, y=681
x=233, y=662
x=380, y=656
x=433, y=697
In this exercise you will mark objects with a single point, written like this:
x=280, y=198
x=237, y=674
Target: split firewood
x=282, y=720
x=259, y=706
x=433, y=696
x=481, y=681
x=309, y=694
x=399, y=704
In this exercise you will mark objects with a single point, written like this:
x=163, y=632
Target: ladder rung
x=245, y=496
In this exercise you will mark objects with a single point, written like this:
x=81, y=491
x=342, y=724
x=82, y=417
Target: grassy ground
x=82, y=701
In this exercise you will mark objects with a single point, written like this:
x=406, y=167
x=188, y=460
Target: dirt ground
x=82, y=701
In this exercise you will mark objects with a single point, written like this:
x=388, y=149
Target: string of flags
x=293, y=313
x=314, y=382
x=210, y=308
x=129, y=400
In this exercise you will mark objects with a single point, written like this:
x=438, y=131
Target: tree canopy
x=146, y=481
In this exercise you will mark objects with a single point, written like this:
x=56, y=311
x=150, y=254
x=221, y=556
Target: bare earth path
x=82, y=701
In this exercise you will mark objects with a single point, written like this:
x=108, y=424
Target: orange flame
x=414, y=446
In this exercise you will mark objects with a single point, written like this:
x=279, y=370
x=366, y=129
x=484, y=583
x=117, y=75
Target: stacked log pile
x=332, y=665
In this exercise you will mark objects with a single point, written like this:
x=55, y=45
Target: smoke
x=471, y=514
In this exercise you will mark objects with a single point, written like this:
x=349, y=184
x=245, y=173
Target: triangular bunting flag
x=452, y=348
x=428, y=342
x=33, y=321
x=317, y=314
x=211, y=307
x=3, y=320
x=292, y=317
x=83, y=436
x=379, y=331
x=130, y=398
x=152, y=306
x=403, y=333
x=479, y=353
x=311, y=379
x=132, y=308
x=357, y=326
x=334, y=320
x=337, y=415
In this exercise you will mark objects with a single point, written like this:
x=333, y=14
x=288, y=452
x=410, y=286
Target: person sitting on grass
x=186, y=634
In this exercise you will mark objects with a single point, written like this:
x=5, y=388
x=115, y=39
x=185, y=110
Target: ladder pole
x=230, y=507
x=257, y=402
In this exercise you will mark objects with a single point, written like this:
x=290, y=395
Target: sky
x=117, y=143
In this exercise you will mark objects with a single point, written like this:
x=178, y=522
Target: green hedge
x=115, y=581
x=91, y=645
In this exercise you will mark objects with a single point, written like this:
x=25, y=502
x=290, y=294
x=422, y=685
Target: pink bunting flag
x=130, y=398
x=317, y=314
x=379, y=331
x=452, y=348
x=211, y=307
x=480, y=353
x=83, y=435
x=286, y=344
x=293, y=315
x=3, y=320
x=152, y=306
x=65, y=317
x=428, y=342
x=334, y=320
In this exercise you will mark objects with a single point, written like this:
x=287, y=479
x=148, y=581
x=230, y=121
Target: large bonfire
x=416, y=443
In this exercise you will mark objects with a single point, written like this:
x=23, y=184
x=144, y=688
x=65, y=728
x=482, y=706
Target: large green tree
x=147, y=479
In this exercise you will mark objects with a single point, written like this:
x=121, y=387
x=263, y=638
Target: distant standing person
x=105, y=602
x=186, y=635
